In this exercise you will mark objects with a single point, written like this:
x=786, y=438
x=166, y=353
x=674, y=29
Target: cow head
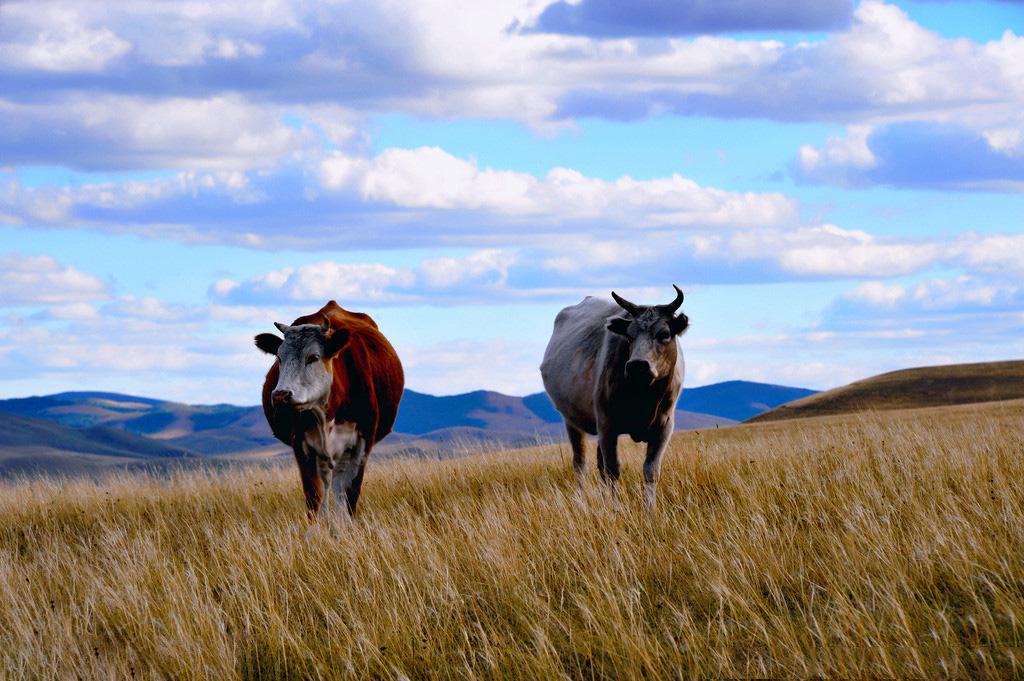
x=651, y=332
x=304, y=377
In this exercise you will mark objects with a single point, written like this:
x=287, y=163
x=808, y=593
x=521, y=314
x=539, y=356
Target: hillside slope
x=201, y=429
x=30, y=445
x=912, y=388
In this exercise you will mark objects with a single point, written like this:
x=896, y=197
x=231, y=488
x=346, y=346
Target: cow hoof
x=649, y=496
x=315, y=533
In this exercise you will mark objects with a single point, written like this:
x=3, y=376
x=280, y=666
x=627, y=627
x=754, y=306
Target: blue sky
x=836, y=185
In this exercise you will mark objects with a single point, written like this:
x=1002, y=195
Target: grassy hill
x=909, y=388
x=874, y=545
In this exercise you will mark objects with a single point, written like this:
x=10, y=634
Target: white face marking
x=301, y=369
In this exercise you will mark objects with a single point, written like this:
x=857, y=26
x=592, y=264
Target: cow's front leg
x=325, y=471
x=656, y=447
x=609, y=453
x=578, y=443
x=312, y=487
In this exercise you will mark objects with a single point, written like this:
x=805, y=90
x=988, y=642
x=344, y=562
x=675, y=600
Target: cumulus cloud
x=607, y=18
x=825, y=250
x=57, y=205
x=447, y=59
x=918, y=154
x=489, y=267
x=66, y=48
x=473, y=278
x=429, y=177
x=41, y=280
x=994, y=254
x=971, y=312
x=121, y=132
x=885, y=66
x=828, y=251
x=420, y=195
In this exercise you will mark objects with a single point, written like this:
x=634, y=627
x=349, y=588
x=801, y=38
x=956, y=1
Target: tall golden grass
x=880, y=545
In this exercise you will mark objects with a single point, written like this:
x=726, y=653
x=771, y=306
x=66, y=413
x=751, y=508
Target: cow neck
x=643, y=403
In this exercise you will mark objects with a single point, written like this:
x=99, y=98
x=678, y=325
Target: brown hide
x=366, y=389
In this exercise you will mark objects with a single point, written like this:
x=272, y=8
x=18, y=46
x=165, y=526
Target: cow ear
x=335, y=342
x=679, y=324
x=268, y=343
x=618, y=325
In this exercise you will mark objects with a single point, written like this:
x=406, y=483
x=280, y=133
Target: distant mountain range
x=81, y=431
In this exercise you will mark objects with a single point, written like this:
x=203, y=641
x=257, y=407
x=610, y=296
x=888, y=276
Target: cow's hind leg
x=348, y=480
x=578, y=442
x=352, y=495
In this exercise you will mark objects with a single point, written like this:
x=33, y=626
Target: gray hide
x=584, y=373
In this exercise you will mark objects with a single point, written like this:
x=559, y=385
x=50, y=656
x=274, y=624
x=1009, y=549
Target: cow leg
x=352, y=496
x=656, y=447
x=325, y=471
x=610, y=455
x=312, y=487
x=578, y=442
x=348, y=479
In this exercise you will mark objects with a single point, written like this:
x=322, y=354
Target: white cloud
x=433, y=280
x=430, y=178
x=458, y=366
x=146, y=308
x=878, y=293
x=851, y=151
x=321, y=281
x=41, y=280
x=489, y=266
x=584, y=252
x=825, y=250
x=995, y=253
x=66, y=47
x=1007, y=140
x=115, y=131
x=73, y=311
x=57, y=205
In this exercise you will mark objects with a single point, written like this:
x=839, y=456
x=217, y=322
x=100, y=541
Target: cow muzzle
x=639, y=371
x=281, y=398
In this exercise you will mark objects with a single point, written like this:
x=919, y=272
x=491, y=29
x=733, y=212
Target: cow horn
x=626, y=305
x=283, y=328
x=674, y=305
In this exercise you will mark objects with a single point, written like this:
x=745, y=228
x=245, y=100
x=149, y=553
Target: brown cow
x=332, y=394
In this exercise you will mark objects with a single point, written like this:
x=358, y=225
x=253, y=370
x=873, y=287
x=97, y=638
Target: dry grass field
x=884, y=544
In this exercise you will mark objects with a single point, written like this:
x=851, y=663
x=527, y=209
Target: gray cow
x=616, y=368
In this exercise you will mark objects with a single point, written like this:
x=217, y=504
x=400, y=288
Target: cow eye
x=664, y=337
x=313, y=358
